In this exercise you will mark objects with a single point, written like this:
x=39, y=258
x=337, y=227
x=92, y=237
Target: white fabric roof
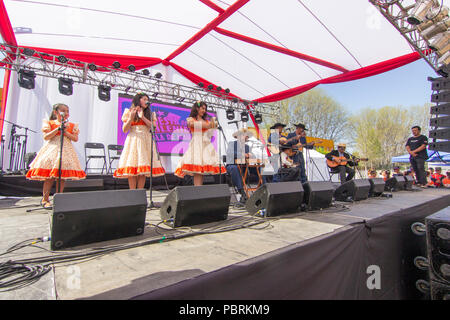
x=350, y=33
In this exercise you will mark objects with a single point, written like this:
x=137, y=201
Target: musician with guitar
x=339, y=161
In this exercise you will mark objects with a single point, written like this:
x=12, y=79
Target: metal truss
x=125, y=81
x=396, y=12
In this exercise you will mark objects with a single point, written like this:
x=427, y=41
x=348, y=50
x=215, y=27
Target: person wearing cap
x=342, y=169
x=397, y=172
x=238, y=149
x=276, y=133
x=289, y=171
x=299, y=137
x=417, y=148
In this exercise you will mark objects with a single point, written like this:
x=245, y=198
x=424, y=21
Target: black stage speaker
x=357, y=189
x=191, y=205
x=438, y=245
x=318, y=194
x=395, y=183
x=87, y=217
x=277, y=198
x=376, y=187
x=409, y=180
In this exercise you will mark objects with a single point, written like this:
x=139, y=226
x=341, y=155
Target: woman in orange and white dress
x=135, y=160
x=45, y=167
x=200, y=158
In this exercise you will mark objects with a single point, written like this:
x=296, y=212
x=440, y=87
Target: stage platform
x=323, y=254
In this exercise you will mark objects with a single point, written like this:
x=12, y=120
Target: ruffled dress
x=46, y=163
x=201, y=156
x=135, y=159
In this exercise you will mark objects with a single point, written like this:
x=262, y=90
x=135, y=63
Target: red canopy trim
x=213, y=6
x=361, y=73
x=6, y=29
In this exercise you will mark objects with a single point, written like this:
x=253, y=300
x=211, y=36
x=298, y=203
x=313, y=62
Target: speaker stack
x=395, y=183
x=353, y=190
x=440, y=115
x=376, y=187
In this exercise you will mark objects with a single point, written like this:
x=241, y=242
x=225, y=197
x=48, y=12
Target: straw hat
x=243, y=132
x=342, y=145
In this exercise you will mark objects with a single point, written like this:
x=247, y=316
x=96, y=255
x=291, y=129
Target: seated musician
x=237, y=153
x=276, y=134
x=341, y=160
x=298, y=137
x=289, y=171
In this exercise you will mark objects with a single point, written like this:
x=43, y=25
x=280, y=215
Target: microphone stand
x=61, y=130
x=219, y=127
x=356, y=167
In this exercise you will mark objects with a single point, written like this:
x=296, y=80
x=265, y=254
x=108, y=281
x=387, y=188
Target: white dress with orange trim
x=135, y=158
x=201, y=156
x=46, y=163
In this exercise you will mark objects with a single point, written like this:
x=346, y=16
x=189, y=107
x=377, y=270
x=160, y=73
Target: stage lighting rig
x=210, y=87
x=65, y=86
x=420, y=11
x=26, y=79
x=132, y=68
x=258, y=118
x=244, y=116
x=201, y=84
x=104, y=92
x=62, y=59
x=92, y=67
x=158, y=75
x=230, y=114
x=146, y=72
x=29, y=52
x=116, y=64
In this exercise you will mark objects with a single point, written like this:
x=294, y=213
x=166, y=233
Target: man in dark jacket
x=342, y=159
x=417, y=149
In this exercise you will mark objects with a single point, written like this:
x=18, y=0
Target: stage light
x=235, y=100
x=245, y=103
x=219, y=88
x=29, y=52
x=26, y=79
x=116, y=64
x=419, y=13
x=158, y=75
x=132, y=68
x=92, y=67
x=258, y=118
x=62, y=59
x=230, y=114
x=65, y=86
x=440, y=43
x=244, y=116
x=201, y=84
x=145, y=72
x=227, y=90
x=104, y=92
x=255, y=103
x=435, y=29
x=210, y=87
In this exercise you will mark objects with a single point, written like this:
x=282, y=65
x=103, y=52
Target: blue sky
x=405, y=86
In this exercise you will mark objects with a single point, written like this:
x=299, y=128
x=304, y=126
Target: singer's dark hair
x=55, y=109
x=137, y=102
x=194, y=110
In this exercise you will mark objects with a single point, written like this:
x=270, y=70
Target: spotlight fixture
x=244, y=116
x=104, y=92
x=227, y=90
x=132, y=68
x=440, y=43
x=158, y=75
x=210, y=87
x=219, y=88
x=255, y=103
x=258, y=118
x=435, y=29
x=26, y=79
x=235, y=100
x=28, y=52
x=62, y=59
x=201, y=84
x=116, y=64
x=419, y=13
x=65, y=86
x=145, y=72
x=92, y=67
x=230, y=114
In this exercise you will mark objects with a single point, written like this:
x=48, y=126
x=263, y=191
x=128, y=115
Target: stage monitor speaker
x=318, y=194
x=409, y=181
x=277, y=198
x=376, y=187
x=88, y=217
x=356, y=190
x=395, y=183
x=438, y=245
x=192, y=205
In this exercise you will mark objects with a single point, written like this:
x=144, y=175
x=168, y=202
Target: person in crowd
x=372, y=173
x=135, y=161
x=386, y=175
x=437, y=178
x=446, y=180
x=46, y=165
x=200, y=158
x=397, y=172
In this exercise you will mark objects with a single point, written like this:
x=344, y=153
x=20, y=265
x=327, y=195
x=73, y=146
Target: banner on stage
x=172, y=134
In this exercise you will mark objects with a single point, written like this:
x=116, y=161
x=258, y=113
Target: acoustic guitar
x=342, y=161
x=275, y=149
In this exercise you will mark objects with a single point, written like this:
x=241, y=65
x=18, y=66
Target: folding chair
x=114, y=152
x=95, y=146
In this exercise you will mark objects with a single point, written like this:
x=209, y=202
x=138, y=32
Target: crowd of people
x=435, y=177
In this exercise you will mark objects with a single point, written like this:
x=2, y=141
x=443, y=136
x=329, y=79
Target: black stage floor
x=360, y=250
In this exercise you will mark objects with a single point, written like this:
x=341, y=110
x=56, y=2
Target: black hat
x=277, y=125
x=301, y=125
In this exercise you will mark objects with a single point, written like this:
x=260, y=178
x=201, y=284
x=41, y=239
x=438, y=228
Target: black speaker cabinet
x=276, y=198
x=356, y=190
x=318, y=194
x=376, y=187
x=88, y=217
x=409, y=181
x=438, y=245
x=191, y=205
x=439, y=291
x=396, y=183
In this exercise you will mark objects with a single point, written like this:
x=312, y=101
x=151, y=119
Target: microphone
x=235, y=121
